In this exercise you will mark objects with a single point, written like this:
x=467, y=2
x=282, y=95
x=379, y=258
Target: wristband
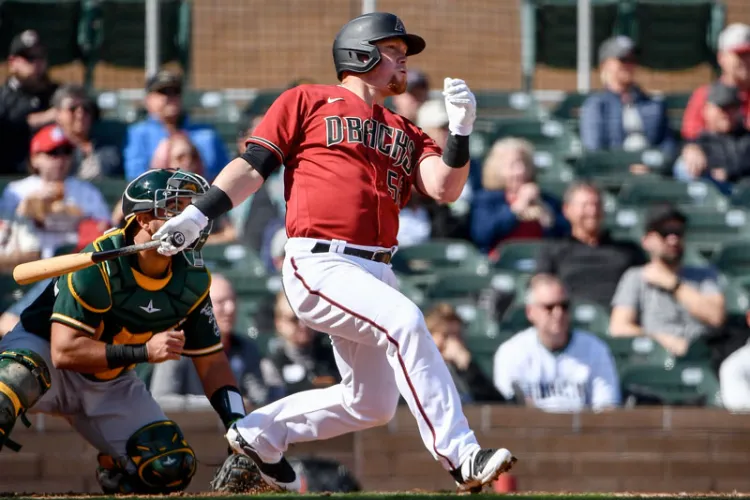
x=456, y=153
x=120, y=355
x=676, y=286
x=227, y=402
x=214, y=203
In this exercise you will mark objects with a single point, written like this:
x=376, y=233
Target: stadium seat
x=551, y=136
x=569, y=108
x=708, y=230
x=628, y=351
x=675, y=34
x=56, y=21
x=112, y=189
x=110, y=133
x=234, y=258
x=740, y=196
x=641, y=192
x=518, y=256
x=506, y=105
x=439, y=255
x=611, y=169
x=736, y=298
x=733, y=258
x=676, y=104
x=260, y=104
x=589, y=316
x=686, y=384
x=10, y=292
x=119, y=32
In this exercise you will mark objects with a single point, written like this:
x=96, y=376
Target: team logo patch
x=178, y=239
x=399, y=26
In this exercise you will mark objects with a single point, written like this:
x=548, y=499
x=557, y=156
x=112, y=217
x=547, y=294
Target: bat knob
x=178, y=239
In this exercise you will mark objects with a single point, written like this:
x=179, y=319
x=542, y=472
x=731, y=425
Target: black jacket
x=728, y=151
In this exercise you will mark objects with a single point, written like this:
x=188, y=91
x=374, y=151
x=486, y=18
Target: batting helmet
x=353, y=48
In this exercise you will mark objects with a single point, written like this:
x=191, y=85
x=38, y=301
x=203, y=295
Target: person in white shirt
x=51, y=199
x=550, y=366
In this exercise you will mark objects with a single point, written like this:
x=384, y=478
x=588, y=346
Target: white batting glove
x=461, y=106
x=180, y=231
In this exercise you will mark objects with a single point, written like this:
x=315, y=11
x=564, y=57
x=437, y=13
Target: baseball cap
x=48, y=139
x=163, y=80
x=416, y=79
x=658, y=215
x=432, y=114
x=618, y=47
x=26, y=43
x=735, y=38
x=723, y=95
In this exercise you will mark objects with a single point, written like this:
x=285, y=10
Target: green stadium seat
x=733, y=258
x=551, y=136
x=740, y=196
x=492, y=104
x=439, y=256
x=591, y=317
x=119, y=32
x=611, y=169
x=518, y=256
x=569, y=108
x=675, y=34
x=260, y=104
x=676, y=104
x=112, y=189
x=56, y=21
x=10, y=292
x=686, y=384
x=628, y=351
x=236, y=259
x=736, y=298
x=641, y=192
x=708, y=230
x=110, y=133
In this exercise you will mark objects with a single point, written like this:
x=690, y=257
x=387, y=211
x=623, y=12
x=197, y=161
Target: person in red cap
x=53, y=200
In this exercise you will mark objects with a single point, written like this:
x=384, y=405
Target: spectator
x=672, y=303
x=298, y=358
x=725, y=141
x=734, y=377
x=176, y=378
x=274, y=259
x=12, y=315
x=19, y=243
x=54, y=201
x=446, y=327
x=623, y=116
x=734, y=60
x=550, y=366
x=76, y=113
x=417, y=91
x=24, y=99
x=178, y=153
x=589, y=250
x=166, y=117
x=511, y=205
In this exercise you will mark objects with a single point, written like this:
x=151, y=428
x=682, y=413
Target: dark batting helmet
x=353, y=48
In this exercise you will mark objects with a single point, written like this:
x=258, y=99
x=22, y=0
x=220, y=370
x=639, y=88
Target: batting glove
x=180, y=231
x=461, y=106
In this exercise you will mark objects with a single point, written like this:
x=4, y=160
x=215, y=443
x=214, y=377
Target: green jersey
x=115, y=303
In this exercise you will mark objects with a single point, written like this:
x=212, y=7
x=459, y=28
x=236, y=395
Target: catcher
x=74, y=348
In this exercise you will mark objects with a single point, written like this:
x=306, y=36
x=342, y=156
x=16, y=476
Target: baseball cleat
x=278, y=475
x=481, y=468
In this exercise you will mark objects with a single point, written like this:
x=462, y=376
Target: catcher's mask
x=166, y=193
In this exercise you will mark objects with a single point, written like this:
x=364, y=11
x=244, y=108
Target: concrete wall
x=630, y=450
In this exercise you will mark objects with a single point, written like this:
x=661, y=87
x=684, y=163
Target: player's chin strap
x=9, y=443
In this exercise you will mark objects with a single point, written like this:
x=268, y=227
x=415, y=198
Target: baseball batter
x=350, y=165
x=72, y=351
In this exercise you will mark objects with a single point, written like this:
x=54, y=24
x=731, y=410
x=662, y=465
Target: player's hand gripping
x=165, y=345
x=461, y=106
x=180, y=231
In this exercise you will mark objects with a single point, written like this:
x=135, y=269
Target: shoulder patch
x=90, y=288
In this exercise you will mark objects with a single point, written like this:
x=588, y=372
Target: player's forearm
x=80, y=354
x=238, y=180
x=214, y=372
x=450, y=181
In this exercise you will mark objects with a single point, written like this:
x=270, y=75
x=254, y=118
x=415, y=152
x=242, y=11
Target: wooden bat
x=37, y=270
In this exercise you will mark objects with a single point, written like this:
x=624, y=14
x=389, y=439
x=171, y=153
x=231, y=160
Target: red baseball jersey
x=349, y=167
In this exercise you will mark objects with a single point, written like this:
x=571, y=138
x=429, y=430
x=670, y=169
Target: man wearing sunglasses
x=24, y=99
x=550, y=366
x=166, y=117
x=672, y=303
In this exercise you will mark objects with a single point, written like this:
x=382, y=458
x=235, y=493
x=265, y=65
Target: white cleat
x=481, y=468
x=278, y=475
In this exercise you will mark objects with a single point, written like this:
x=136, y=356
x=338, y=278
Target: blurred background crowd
x=607, y=224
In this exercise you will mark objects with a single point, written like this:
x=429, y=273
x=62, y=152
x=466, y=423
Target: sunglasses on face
x=34, y=57
x=60, y=152
x=563, y=305
x=170, y=92
x=666, y=231
x=75, y=107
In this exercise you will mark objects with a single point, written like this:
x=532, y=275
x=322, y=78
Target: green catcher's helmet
x=164, y=192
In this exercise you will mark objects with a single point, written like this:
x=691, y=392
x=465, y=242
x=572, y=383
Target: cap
x=163, y=80
x=432, y=114
x=735, y=38
x=723, y=95
x=416, y=79
x=24, y=43
x=618, y=47
x=659, y=214
x=48, y=139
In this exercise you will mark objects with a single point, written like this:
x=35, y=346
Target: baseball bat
x=36, y=270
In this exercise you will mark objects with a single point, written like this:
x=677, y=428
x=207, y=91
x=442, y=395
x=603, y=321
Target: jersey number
x=394, y=186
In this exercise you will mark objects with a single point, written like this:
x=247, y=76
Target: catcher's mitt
x=238, y=474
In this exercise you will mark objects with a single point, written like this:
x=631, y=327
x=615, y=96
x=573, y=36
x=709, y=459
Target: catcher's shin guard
x=24, y=378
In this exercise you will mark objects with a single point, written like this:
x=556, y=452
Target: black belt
x=383, y=256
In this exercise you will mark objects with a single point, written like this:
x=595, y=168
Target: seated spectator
x=672, y=303
x=511, y=205
x=446, y=327
x=589, y=250
x=724, y=142
x=178, y=153
x=733, y=57
x=550, y=366
x=19, y=243
x=623, y=116
x=734, y=377
x=25, y=99
x=55, y=202
x=175, y=378
x=166, y=117
x=274, y=259
x=76, y=114
x=298, y=358
x=417, y=92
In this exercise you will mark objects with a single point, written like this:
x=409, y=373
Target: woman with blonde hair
x=510, y=204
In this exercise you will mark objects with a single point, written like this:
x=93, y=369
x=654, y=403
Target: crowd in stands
x=649, y=291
